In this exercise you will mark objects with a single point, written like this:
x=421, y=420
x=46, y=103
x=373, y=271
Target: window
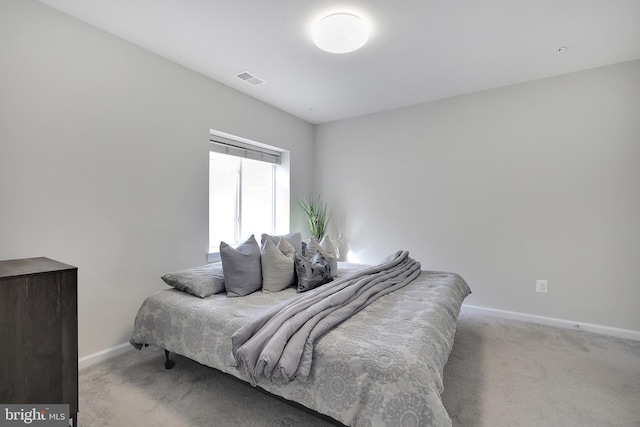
x=241, y=198
x=248, y=190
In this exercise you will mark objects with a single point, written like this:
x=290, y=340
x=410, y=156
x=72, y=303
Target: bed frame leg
x=168, y=363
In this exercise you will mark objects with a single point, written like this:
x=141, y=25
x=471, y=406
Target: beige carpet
x=500, y=373
x=508, y=373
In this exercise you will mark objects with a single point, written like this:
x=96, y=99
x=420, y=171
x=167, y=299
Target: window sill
x=214, y=253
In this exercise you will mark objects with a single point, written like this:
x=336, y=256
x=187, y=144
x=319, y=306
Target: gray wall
x=103, y=164
x=532, y=181
x=104, y=160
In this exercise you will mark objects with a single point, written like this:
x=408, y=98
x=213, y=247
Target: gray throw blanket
x=279, y=342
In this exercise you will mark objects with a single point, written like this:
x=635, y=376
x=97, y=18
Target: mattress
x=382, y=366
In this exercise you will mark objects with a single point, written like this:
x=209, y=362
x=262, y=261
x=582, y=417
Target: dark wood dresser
x=39, y=333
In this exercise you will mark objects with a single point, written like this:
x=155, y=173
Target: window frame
x=280, y=181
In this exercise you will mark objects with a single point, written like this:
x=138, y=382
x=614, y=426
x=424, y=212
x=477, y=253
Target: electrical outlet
x=541, y=286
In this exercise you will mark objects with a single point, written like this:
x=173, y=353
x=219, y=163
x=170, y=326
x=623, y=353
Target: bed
x=381, y=366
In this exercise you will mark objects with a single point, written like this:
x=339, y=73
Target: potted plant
x=317, y=215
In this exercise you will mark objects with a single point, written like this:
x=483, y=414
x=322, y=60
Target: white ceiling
x=418, y=51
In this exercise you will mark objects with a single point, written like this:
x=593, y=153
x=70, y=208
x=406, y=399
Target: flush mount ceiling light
x=340, y=33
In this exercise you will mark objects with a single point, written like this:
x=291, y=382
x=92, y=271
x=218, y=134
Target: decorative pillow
x=311, y=247
x=294, y=239
x=312, y=273
x=278, y=270
x=326, y=248
x=330, y=253
x=241, y=267
x=200, y=281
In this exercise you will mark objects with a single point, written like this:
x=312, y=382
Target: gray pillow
x=294, y=239
x=241, y=267
x=278, y=272
x=312, y=273
x=326, y=248
x=200, y=281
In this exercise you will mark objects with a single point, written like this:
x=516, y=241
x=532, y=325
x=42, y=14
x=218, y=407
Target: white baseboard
x=101, y=356
x=551, y=321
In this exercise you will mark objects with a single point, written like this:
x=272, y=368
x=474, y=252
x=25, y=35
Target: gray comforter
x=279, y=343
x=383, y=366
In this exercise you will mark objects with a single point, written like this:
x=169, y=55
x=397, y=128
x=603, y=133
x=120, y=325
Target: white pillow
x=312, y=247
x=278, y=271
x=328, y=250
x=294, y=238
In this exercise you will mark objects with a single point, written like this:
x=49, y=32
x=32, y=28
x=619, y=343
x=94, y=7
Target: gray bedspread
x=383, y=366
x=279, y=342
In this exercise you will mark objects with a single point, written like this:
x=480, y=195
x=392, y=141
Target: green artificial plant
x=317, y=215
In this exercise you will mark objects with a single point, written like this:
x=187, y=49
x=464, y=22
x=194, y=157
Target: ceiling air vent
x=249, y=78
